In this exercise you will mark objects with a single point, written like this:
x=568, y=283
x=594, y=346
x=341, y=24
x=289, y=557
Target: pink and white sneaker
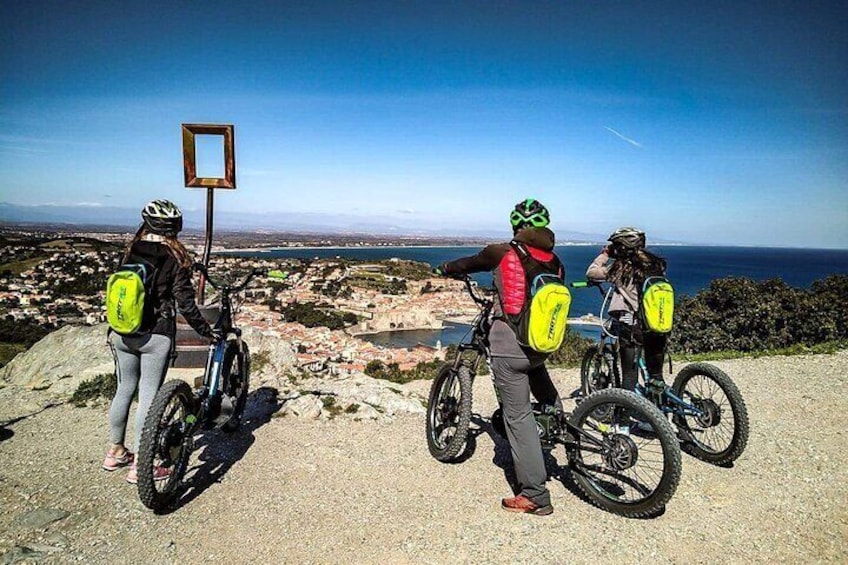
x=159, y=474
x=114, y=462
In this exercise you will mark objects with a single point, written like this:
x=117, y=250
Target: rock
x=22, y=554
x=307, y=406
x=366, y=412
x=273, y=357
x=38, y=519
x=61, y=360
x=376, y=399
x=57, y=539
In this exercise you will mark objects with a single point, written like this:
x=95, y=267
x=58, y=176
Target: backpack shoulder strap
x=525, y=256
x=520, y=249
x=148, y=269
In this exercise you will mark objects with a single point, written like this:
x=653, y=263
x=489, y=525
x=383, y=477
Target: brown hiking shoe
x=523, y=504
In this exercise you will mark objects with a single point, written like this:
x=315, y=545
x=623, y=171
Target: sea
x=690, y=269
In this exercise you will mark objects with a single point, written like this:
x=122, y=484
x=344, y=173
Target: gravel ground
x=289, y=490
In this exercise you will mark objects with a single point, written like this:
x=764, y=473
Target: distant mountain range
x=248, y=222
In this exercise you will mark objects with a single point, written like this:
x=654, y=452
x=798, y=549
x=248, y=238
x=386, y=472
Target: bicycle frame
x=209, y=394
x=568, y=434
x=667, y=401
x=479, y=342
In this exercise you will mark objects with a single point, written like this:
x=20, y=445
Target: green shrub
x=391, y=372
x=8, y=352
x=101, y=386
x=740, y=314
x=571, y=351
x=259, y=360
x=308, y=314
x=330, y=406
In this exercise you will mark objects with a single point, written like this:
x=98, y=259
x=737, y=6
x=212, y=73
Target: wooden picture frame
x=190, y=157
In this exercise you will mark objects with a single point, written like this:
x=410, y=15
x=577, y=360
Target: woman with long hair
x=631, y=265
x=141, y=358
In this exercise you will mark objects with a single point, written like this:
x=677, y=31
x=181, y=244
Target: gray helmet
x=162, y=217
x=628, y=238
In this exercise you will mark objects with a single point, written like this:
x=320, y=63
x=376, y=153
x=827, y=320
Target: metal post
x=207, y=250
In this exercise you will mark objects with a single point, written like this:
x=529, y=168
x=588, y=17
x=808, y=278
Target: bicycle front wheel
x=449, y=412
x=628, y=464
x=165, y=445
x=237, y=377
x=719, y=433
x=599, y=371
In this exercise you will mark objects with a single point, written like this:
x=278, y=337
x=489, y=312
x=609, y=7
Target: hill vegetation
x=740, y=314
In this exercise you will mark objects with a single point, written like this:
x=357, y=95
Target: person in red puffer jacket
x=518, y=370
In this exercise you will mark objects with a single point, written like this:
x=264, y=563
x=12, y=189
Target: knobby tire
x=593, y=358
x=653, y=503
x=242, y=366
x=449, y=451
x=148, y=446
x=739, y=438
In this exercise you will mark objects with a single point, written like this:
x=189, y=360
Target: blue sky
x=719, y=122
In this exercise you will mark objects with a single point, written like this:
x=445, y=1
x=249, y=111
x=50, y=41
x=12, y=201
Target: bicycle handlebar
x=470, y=285
x=590, y=283
x=222, y=286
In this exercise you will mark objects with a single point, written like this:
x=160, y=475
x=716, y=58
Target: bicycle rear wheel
x=165, y=445
x=719, y=435
x=449, y=412
x=622, y=466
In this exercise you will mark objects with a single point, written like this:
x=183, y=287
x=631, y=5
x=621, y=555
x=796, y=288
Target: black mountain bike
x=619, y=471
x=178, y=412
x=704, y=403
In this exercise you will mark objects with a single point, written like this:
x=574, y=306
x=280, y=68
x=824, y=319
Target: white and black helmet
x=162, y=217
x=629, y=238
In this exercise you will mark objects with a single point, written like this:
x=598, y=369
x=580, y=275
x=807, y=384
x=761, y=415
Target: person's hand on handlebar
x=440, y=271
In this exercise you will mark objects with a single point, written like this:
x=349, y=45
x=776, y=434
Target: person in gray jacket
x=626, y=263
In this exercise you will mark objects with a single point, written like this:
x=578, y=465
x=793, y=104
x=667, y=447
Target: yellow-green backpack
x=657, y=304
x=541, y=325
x=126, y=290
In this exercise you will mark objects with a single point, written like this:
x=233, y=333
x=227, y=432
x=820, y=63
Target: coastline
x=404, y=329
x=339, y=247
x=466, y=246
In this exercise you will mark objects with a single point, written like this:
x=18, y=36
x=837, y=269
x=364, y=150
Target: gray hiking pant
x=140, y=362
x=516, y=379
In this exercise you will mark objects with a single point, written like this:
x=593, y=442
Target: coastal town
x=323, y=308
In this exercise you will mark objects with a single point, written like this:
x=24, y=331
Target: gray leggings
x=140, y=362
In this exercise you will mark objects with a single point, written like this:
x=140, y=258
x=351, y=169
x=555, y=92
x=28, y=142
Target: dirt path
x=288, y=490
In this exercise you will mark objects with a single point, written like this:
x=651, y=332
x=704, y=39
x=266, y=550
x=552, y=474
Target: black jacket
x=502, y=338
x=171, y=289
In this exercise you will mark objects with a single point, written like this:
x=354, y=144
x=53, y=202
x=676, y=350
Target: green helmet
x=529, y=212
